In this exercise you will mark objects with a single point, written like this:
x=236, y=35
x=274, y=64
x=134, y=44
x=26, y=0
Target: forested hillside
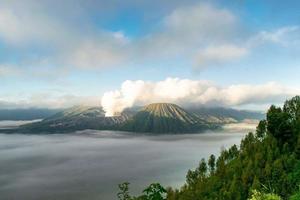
x=266, y=165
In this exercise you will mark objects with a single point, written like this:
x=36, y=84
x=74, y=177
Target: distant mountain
x=165, y=118
x=154, y=118
x=76, y=118
x=227, y=115
x=26, y=114
x=78, y=112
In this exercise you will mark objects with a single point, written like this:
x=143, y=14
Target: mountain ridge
x=164, y=118
x=152, y=118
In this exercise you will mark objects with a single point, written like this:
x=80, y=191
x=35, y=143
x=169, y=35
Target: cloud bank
x=48, y=100
x=183, y=31
x=203, y=34
x=188, y=92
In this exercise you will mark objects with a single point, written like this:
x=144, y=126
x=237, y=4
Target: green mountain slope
x=165, y=118
x=267, y=161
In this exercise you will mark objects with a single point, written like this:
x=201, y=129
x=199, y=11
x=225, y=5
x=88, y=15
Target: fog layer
x=90, y=164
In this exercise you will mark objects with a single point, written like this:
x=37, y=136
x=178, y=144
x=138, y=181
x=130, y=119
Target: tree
x=274, y=119
x=256, y=184
x=212, y=163
x=256, y=195
x=279, y=125
x=202, y=168
x=172, y=194
x=292, y=107
x=154, y=192
x=124, y=191
x=261, y=129
x=297, y=148
x=233, y=152
x=295, y=196
x=221, y=167
x=191, y=177
x=266, y=163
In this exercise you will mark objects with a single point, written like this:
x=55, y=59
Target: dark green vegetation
x=153, y=192
x=26, y=114
x=154, y=118
x=266, y=165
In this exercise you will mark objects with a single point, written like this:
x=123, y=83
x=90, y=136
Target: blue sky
x=58, y=54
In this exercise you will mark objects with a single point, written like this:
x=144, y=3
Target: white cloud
x=119, y=35
x=62, y=42
x=61, y=101
x=47, y=100
x=21, y=27
x=96, y=54
x=200, y=22
x=203, y=34
x=285, y=36
x=257, y=94
x=9, y=70
x=187, y=29
x=192, y=92
x=220, y=54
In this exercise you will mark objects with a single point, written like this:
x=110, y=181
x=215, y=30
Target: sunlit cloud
x=48, y=100
x=203, y=34
x=188, y=92
x=284, y=36
x=187, y=29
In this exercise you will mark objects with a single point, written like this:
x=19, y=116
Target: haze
x=90, y=164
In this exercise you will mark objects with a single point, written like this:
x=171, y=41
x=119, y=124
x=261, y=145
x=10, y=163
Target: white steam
x=189, y=92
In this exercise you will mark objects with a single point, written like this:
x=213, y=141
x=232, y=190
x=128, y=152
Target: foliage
x=256, y=195
x=266, y=165
x=295, y=196
x=124, y=191
x=153, y=192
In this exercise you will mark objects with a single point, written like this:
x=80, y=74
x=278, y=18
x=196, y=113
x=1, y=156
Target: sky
x=118, y=54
